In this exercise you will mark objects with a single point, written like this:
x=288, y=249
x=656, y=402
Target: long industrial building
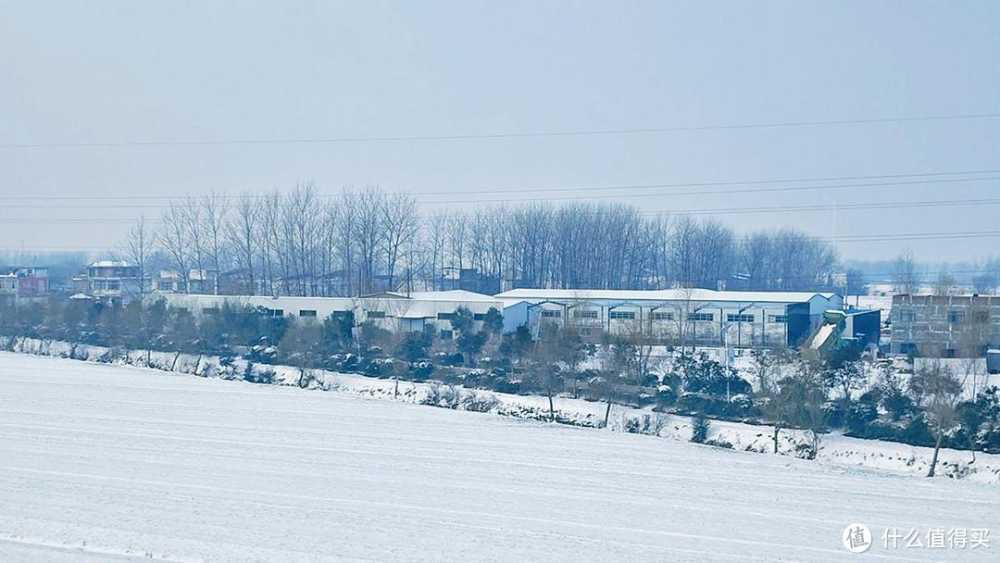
x=418, y=311
x=695, y=316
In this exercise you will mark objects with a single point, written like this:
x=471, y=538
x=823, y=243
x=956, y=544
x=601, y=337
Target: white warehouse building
x=697, y=316
x=418, y=311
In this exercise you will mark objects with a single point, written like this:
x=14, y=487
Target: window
x=586, y=314
x=622, y=315
x=777, y=319
x=701, y=317
x=551, y=314
x=661, y=316
x=908, y=348
x=586, y=331
x=276, y=312
x=734, y=318
x=981, y=316
x=956, y=316
x=210, y=310
x=479, y=316
x=307, y=312
x=375, y=314
x=341, y=314
x=907, y=316
x=446, y=316
x=446, y=334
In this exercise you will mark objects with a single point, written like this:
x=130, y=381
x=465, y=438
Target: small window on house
x=907, y=316
x=622, y=315
x=701, y=317
x=662, y=316
x=375, y=314
x=210, y=310
x=777, y=319
x=585, y=314
x=445, y=316
x=956, y=316
x=307, y=312
x=276, y=312
x=734, y=318
x=551, y=314
x=479, y=316
x=586, y=331
x=446, y=335
x=981, y=316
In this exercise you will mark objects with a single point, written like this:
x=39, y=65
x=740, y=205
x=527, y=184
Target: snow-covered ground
x=101, y=462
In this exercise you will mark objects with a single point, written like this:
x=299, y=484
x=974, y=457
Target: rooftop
x=694, y=294
x=110, y=264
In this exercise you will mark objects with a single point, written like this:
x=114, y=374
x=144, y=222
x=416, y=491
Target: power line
x=496, y=136
x=174, y=197
x=894, y=184
x=889, y=237
x=702, y=211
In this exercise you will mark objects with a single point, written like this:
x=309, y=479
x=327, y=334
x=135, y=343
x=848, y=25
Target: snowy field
x=103, y=462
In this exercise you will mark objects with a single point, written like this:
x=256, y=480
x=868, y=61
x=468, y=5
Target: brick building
x=945, y=325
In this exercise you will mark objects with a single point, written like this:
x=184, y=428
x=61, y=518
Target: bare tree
x=215, y=208
x=175, y=240
x=944, y=284
x=435, y=238
x=904, y=276
x=137, y=248
x=242, y=230
x=938, y=391
x=399, y=228
x=370, y=239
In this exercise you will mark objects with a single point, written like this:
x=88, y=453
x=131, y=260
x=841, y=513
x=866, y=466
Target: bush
x=648, y=424
x=420, y=371
x=479, y=402
x=699, y=429
x=445, y=396
x=719, y=444
x=665, y=397
x=264, y=376
x=859, y=416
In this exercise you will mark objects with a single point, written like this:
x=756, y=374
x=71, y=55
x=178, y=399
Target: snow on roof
x=695, y=294
x=419, y=310
x=110, y=264
x=79, y=296
x=452, y=295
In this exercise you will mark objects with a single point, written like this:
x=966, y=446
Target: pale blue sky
x=132, y=71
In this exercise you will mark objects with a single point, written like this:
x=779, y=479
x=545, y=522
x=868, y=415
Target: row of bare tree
x=305, y=243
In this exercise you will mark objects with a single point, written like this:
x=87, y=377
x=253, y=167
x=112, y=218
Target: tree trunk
x=777, y=429
x=552, y=410
x=607, y=414
x=937, y=448
x=395, y=390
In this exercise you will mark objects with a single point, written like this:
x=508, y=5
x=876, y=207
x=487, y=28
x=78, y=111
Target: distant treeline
x=356, y=242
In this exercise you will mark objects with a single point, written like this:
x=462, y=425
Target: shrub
x=420, y=371
x=719, y=444
x=665, y=397
x=699, y=429
x=263, y=376
x=859, y=416
x=479, y=402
